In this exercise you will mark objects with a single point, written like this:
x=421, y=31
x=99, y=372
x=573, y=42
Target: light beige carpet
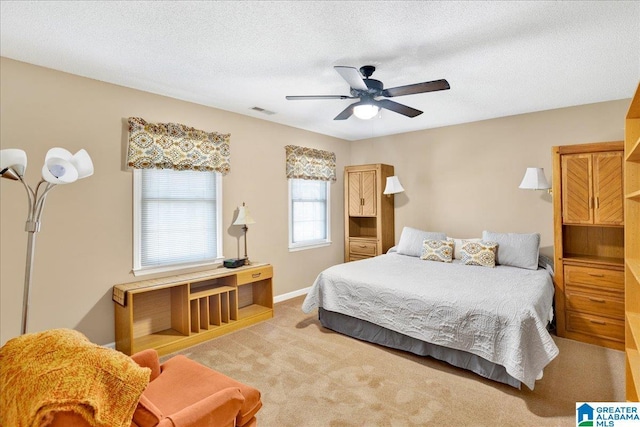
x=311, y=376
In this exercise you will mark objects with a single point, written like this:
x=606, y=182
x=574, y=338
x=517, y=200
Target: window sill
x=174, y=268
x=303, y=247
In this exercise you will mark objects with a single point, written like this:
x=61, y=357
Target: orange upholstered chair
x=58, y=378
x=182, y=392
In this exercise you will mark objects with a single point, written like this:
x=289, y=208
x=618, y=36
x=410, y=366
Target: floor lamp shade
x=13, y=160
x=60, y=167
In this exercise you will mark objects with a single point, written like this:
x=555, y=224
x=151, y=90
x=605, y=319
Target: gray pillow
x=516, y=250
x=411, y=240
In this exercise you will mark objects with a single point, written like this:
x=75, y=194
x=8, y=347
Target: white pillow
x=411, y=240
x=457, y=246
x=516, y=250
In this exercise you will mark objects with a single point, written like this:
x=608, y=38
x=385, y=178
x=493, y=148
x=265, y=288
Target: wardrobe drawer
x=596, y=277
x=596, y=326
x=362, y=248
x=603, y=305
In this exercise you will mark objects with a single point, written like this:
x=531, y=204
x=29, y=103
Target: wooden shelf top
x=157, y=340
x=633, y=155
x=634, y=267
x=634, y=107
x=253, y=310
x=120, y=291
x=363, y=238
x=201, y=293
x=592, y=259
x=634, y=325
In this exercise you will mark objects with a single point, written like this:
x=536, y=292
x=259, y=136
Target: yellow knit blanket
x=60, y=370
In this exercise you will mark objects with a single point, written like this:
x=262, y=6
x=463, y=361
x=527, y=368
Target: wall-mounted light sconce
x=534, y=179
x=393, y=186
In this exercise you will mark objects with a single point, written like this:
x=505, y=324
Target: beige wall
x=458, y=179
x=85, y=245
x=464, y=179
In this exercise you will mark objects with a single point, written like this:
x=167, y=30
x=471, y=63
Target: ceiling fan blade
x=306, y=97
x=352, y=76
x=347, y=112
x=398, y=108
x=417, y=88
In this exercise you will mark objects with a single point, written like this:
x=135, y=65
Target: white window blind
x=308, y=213
x=178, y=218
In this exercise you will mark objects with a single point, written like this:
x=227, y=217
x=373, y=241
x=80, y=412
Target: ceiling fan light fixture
x=366, y=111
x=370, y=91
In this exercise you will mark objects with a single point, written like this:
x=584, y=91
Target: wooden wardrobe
x=588, y=202
x=368, y=214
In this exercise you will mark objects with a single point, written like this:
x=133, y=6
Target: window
x=177, y=219
x=308, y=214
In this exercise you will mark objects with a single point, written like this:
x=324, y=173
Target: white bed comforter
x=499, y=314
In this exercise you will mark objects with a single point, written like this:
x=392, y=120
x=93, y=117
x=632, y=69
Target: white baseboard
x=111, y=345
x=290, y=295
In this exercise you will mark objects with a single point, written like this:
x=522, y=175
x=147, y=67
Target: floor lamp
x=60, y=167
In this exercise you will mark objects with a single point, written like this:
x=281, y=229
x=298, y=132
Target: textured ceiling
x=500, y=58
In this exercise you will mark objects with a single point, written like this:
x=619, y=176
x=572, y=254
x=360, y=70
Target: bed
x=492, y=321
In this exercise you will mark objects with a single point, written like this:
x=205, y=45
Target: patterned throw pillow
x=479, y=253
x=437, y=250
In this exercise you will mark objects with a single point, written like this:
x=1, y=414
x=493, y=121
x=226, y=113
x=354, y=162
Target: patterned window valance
x=309, y=163
x=176, y=146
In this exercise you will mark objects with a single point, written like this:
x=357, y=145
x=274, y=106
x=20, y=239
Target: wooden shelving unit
x=368, y=214
x=632, y=248
x=175, y=312
x=589, y=227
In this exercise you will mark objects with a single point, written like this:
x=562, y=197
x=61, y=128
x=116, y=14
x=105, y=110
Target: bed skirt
x=367, y=331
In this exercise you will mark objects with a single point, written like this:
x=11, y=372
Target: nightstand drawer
x=603, y=305
x=597, y=277
x=362, y=248
x=254, y=275
x=596, y=326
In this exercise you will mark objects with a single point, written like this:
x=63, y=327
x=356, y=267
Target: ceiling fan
x=369, y=90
